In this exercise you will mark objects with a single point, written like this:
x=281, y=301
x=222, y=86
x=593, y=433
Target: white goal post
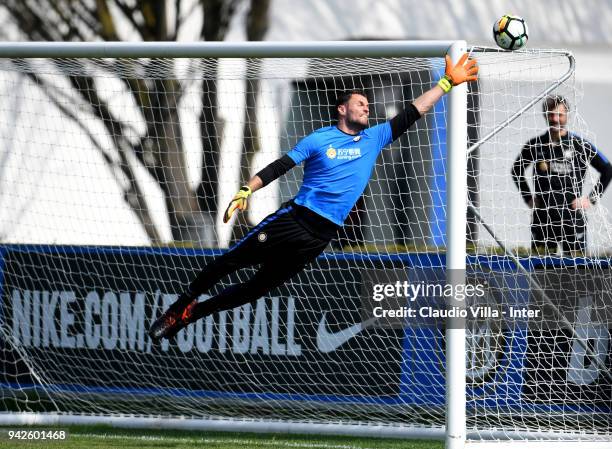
x=100, y=331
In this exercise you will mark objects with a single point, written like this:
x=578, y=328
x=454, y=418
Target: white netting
x=112, y=175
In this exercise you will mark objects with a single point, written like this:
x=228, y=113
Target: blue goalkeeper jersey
x=337, y=168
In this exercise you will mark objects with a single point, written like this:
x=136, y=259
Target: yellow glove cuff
x=244, y=192
x=445, y=83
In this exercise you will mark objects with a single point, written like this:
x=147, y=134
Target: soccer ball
x=510, y=32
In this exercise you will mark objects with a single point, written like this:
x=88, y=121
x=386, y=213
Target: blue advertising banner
x=81, y=315
x=85, y=311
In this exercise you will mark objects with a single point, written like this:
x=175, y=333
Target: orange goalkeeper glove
x=460, y=73
x=240, y=201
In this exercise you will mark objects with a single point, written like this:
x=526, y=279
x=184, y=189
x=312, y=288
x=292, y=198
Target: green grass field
x=106, y=437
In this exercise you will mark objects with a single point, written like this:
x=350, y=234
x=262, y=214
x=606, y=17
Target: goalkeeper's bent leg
x=267, y=277
x=269, y=244
x=247, y=252
x=207, y=277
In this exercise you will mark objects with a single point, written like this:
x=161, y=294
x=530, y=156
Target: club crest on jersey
x=262, y=237
x=331, y=152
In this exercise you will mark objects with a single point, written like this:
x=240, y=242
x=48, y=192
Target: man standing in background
x=560, y=160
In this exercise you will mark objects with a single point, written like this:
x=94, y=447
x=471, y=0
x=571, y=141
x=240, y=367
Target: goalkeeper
x=338, y=161
x=560, y=160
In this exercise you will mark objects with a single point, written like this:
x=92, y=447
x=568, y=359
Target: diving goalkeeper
x=338, y=161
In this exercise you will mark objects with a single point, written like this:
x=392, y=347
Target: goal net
x=113, y=174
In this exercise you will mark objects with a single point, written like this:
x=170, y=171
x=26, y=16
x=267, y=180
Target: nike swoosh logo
x=330, y=341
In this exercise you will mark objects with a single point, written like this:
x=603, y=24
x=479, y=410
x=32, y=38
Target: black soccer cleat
x=171, y=322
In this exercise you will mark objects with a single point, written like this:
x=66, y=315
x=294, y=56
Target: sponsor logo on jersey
x=343, y=154
x=560, y=167
x=348, y=154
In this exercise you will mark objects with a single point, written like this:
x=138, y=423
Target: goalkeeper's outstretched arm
x=264, y=177
x=465, y=70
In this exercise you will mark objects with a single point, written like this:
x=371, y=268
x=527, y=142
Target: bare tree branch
x=30, y=22
x=181, y=19
x=88, y=16
x=130, y=14
x=160, y=148
x=72, y=31
x=132, y=195
x=217, y=16
x=154, y=13
x=108, y=31
x=177, y=21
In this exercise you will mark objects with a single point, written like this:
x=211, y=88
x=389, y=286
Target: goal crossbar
x=322, y=49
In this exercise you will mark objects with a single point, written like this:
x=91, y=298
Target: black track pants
x=278, y=244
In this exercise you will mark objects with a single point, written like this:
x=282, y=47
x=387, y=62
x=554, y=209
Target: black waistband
x=314, y=223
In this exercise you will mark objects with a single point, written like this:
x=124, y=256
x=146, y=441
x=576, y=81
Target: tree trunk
x=161, y=148
x=217, y=15
x=257, y=26
x=251, y=143
x=186, y=221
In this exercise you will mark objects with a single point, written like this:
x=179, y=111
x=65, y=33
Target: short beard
x=355, y=125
